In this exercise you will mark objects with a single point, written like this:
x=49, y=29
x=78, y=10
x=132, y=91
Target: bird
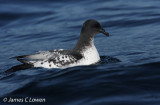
x=83, y=53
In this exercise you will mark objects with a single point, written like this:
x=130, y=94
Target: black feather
x=19, y=67
x=17, y=57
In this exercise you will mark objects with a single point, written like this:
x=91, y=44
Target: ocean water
x=28, y=26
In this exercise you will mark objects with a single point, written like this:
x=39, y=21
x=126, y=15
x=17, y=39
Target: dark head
x=89, y=30
x=94, y=27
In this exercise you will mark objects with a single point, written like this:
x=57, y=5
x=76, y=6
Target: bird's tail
x=19, y=67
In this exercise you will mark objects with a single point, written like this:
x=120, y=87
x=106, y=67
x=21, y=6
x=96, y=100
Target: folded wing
x=50, y=58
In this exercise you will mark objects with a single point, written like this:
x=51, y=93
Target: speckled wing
x=42, y=55
x=58, y=57
x=64, y=58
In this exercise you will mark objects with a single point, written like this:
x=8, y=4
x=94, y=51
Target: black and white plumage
x=83, y=53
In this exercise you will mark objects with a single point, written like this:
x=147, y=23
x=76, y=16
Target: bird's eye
x=96, y=25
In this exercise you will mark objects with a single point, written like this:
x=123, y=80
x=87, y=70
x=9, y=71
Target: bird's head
x=93, y=26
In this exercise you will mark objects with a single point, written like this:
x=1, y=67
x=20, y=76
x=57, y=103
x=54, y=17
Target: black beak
x=104, y=32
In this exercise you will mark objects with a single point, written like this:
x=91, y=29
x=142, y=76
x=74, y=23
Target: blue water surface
x=28, y=26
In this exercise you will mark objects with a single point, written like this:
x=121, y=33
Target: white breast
x=91, y=56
